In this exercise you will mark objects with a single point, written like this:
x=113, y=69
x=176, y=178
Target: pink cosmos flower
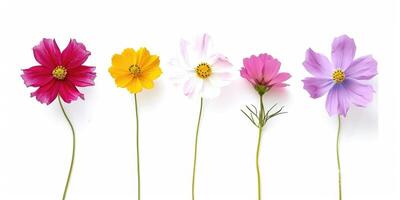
x=262, y=72
x=59, y=73
x=342, y=78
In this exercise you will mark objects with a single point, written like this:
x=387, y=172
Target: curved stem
x=338, y=157
x=195, y=147
x=73, y=149
x=137, y=147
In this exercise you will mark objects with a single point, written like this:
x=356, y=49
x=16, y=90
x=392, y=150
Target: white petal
x=209, y=90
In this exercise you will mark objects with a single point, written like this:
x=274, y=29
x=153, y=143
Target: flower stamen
x=135, y=70
x=338, y=76
x=203, y=70
x=59, y=72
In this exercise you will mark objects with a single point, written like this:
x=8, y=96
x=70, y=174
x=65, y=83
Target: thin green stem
x=73, y=149
x=258, y=168
x=195, y=148
x=338, y=157
x=137, y=147
x=260, y=127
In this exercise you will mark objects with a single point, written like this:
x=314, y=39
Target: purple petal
x=337, y=102
x=343, y=51
x=359, y=94
x=317, y=87
x=363, y=68
x=317, y=64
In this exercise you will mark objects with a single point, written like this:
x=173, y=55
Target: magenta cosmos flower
x=342, y=78
x=262, y=72
x=59, y=73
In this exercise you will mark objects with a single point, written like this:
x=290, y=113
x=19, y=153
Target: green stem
x=137, y=147
x=258, y=168
x=195, y=147
x=338, y=157
x=73, y=149
x=260, y=127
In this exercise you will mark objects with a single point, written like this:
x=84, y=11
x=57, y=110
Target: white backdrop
x=298, y=149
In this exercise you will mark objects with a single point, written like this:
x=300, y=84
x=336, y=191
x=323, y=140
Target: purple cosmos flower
x=342, y=78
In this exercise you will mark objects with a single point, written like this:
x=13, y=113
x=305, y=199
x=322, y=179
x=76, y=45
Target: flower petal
x=201, y=46
x=192, y=86
x=74, y=55
x=68, y=92
x=359, y=94
x=343, y=51
x=220, y=63
x=82, y=76
x=271, y=66
x=47, y=53
x=36, y=76
x=142, y=55
x=151, y=62
x=135, y=86
x=337, y=102
x=209, y=90
x=279, y=79
x=129, y=57
x=48, y=92
x=363, y=68
x=221, y=79
x=152, y=73
x=245, y=74
x=317, y=87
x=254, y=67
x=146, y=83
x=317, y=64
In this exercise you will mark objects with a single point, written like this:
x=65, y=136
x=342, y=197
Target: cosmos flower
x=201, y=71
x=135, y=70
x=263, y=72
x=343, y=78
x=59, y=73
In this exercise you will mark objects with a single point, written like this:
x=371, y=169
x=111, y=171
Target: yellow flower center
x=203, y=70
x=135, y=70
x=338, y=76
x=59, y=72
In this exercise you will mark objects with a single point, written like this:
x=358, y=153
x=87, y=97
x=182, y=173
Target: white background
x=298, y=149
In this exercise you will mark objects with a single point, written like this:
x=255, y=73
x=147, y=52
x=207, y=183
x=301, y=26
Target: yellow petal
x=120, y=62
x=152, y=61
x=134, y=86
x=152, y=73
x=146, y=83
x=116, y=72
x=123, y=81
x=130, y=55
x=142, y=55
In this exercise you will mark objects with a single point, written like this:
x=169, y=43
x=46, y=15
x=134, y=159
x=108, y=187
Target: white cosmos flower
x=199, y=70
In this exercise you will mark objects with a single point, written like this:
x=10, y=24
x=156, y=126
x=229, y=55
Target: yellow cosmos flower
x=135, y=70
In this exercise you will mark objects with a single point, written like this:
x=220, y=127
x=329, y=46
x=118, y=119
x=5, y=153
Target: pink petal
x=337, y=102
x=317, y=64
x=36, y=76
x=343, y=51
x=317, y=87
x=280, y=78
x=68, y=92
x=48, y=92
x=74, y=55
x=47, y=53
x=359, y=94
x=254, y=67
x=245, y=74
x=271, y=66
x=363, y=68
x=82, y=76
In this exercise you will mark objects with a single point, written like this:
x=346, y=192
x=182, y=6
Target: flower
x=201, y=71
x=342, y=78
x=135, y=70
x=262, y=72
x=59, y=73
